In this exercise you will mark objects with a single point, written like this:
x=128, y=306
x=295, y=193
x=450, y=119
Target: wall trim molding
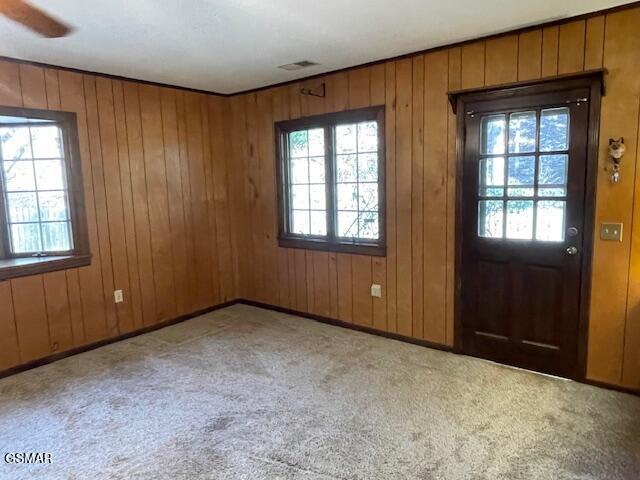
x=528, y=28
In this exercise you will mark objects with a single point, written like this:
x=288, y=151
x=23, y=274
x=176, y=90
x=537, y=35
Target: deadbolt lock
x=572, y=250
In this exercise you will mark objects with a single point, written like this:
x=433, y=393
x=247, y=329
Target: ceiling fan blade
x=33, y=18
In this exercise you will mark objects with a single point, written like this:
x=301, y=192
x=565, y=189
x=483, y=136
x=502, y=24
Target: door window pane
x=492, y=132
x=490, y=218
x=520, y=219
x=491, y=176
x=521, y=170
x=552, y=175
x=550, y=220
x=522, y=132
x=554, y=129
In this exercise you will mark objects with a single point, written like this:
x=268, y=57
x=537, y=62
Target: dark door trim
x=463, y=100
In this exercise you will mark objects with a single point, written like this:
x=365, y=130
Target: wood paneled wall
x=417, y=275
x=158, y=212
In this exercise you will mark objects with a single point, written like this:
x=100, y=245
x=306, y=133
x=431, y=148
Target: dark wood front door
x=523, y=222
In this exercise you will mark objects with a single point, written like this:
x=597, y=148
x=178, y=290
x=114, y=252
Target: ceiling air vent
x=298, y=65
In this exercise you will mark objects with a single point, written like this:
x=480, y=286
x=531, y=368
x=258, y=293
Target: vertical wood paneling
x=454, y=82
x=530, y=55
x=404, y=75
x=501, y=60
x=594, y=43
x=435, y=195
x=571, y=47
x=610, y=277
x=417, y=190
x=473, y=62
x=550, y=51
x=134, y=149
x=361, y=278
x=390, y=288
x=9, y=345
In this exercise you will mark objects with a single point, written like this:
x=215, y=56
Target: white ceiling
x=234, y=45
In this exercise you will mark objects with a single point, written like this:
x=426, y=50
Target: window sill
x=24, y=266
x=321, y=245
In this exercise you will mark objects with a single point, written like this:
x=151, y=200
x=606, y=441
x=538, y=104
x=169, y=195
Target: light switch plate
x=611, y=232
x=376, y=290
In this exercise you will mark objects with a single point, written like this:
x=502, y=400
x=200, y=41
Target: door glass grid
x=522, y=183
x=307, y=182
x=357, y=195
x=35, y=188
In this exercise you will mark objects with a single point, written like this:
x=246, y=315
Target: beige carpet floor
x=244, y=393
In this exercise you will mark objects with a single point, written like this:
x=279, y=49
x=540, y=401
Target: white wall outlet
x=376, y=290
x=117, y=296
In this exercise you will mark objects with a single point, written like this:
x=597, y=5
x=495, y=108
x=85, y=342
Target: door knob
x=572, y=250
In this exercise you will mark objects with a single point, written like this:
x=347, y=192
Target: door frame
x=594, y=80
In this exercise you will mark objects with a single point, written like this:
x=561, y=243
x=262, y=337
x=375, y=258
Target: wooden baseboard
x=319, y=318
x=91, y=346
x=350, y=326
x=404, y=338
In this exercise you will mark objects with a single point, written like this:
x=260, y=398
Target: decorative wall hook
x=616, y=152
x=314, y=92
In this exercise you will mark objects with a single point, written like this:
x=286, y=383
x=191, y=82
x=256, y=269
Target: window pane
x=490, y=218
x=316, y=142
x=554, y=129
x=49, y=175
x=368, y=225
x=298, y=144
x=300, y=222
x=368, y=167
x=299, y=170
x=22, y=207
x=552, y=192
x=347, y=224
x=346, y=139
x=47, y=142
x=15, y=143
x=522, y=132
x=318, y=200
x=346, y=168
x=520, y=219
x=55, y=237
x=553, y=170
x=19, y=176
x=319, y=223
x=316, y=170
x=25, y=238
x=53, y=206
x=491, y=174
x=492, y=133
x=520, y=192
x=521, y=170
x=550, y=220
x=347, y=196
x=368, y=198
x=368, y=137
x=300, y=197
